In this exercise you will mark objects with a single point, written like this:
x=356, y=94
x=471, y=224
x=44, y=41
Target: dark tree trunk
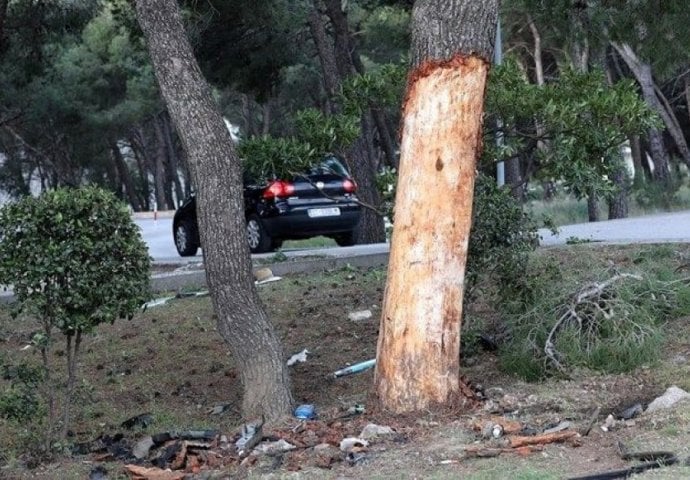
x=324, y=48
x=125, y=177
x=140, y=155
x=636, y=154
x=618, y=203
x=159, y=172
x=3, y=16
x=361, y=156
x=215, y=170
x=513, y=177
x=650, y=92
x=173, y=160
x=418, y=358
x=592, y=206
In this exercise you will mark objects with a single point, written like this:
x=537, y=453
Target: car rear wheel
x=259, y=240
x=184, y=239
x=346, y=239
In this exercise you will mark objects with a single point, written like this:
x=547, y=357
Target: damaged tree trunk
x=418, y=361
x=215, y=171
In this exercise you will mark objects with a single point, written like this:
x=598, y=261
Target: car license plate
x=323, y=212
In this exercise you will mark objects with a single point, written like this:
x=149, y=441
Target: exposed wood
x=517, y=442
x=419, y=340
x=215, y=170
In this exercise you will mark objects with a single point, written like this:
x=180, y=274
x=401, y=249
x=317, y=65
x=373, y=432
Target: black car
x=320, y=202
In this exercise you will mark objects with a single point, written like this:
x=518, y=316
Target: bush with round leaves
x=75, y=259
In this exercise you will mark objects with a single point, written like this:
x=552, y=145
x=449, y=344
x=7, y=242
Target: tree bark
x=324, y=48
x=592, y=206
x=125, y=177
x=618, y=203
x=3, y=16
x=216, y=173
x=643, y=74
x=173, y=160
x=371, y=227
x=636, y=154
x=419, y=340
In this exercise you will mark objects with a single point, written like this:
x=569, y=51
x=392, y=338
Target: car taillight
x=278, y=189
x=349, y=185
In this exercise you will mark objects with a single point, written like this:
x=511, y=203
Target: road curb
x=191, y=279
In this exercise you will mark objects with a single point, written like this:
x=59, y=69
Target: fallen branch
x=517, y=442
x=584, y=296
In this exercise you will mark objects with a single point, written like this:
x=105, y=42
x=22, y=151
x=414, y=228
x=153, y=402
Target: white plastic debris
x=300, y=357
x=157, y=302
x=360, y=316
x=670, y=397
x=351, y=443
x=372, y=431
x=273, y=448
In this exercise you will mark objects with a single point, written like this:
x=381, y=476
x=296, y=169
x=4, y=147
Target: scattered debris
x=356, y=409
x=98, y=473
x=143, y=447
x=305, y=412
x=251, y=435
x=670, y=397
x=651, y=460
x=273, y=448
x=143, y=420
x=353, y=458
x=546, y=438
x=219, y=409
x=300, y=357
x=352, y=444
x=156, y=302
x=200, y=293
x=497, y=431
x=631, y=412
x=360, y=316
x=590, y=423
x=153, y=473
x=264, y=275
x=609, y=424
x=565, y=425
x=576, y=313
x=373, y=431
x=356, y=368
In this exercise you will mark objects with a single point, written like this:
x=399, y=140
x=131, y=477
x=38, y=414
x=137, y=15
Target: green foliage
x=501, y=239
x=327, y=133
x=269, y=157
x=20, y=401
x=582, y=119
x=74, y=258
x=383, y=87
x=617, y=330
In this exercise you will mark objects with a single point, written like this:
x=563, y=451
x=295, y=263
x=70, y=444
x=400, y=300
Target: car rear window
x=330, y=165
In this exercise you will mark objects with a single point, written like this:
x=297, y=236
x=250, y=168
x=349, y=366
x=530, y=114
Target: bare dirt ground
x=170, y=362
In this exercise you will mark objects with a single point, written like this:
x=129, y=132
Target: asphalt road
x=667, y=227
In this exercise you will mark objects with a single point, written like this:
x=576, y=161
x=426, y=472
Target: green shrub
x=20, y=401
x=615, y=331
x=501, y=240
x=75, y=259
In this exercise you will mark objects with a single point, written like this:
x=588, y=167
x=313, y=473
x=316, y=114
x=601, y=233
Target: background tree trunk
x=418, y=362
x=361, y=156
x=216, y=174
x=618, y=203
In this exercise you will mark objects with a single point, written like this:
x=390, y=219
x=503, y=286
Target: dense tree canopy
x=79, y=103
